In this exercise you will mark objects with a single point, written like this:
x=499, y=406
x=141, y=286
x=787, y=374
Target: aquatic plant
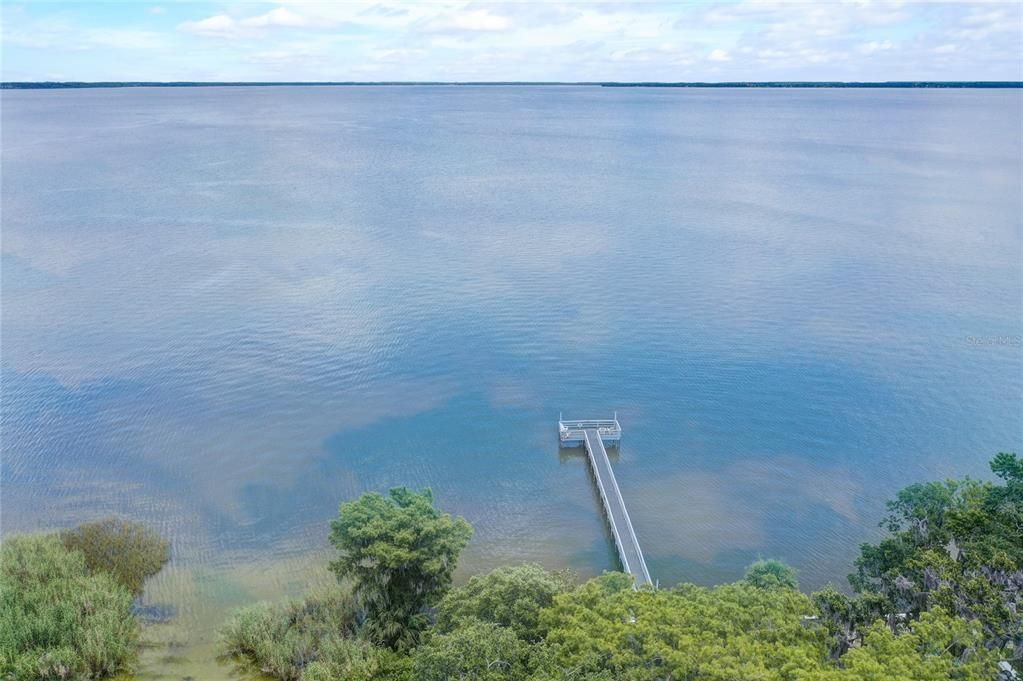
x=128, y=551
x=286, y=640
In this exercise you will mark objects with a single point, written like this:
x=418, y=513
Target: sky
x=528, y=40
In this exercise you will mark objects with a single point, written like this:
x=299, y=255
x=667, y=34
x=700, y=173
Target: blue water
x=226, y=310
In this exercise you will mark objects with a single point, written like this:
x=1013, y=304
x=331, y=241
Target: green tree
x=58, y=621
x=508, y=596
x=937, y=647
x=730, y=632
x=957, y=545
x=771, y=574
x=847, y=618
x=399, y=551
x=128, y=551
x=606, y=630
x=474, y=651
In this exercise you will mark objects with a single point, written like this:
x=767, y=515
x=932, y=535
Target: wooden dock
x=592, y=434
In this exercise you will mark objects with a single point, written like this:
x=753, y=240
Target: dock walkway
x=592, y=435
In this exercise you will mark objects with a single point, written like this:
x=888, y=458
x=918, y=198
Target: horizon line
x=71, y=84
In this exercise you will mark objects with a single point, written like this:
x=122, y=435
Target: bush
x=475, y=651
x=771, y=574
x=345, y=658
x=57, y=620
x=509, y=596
x=128, y=551
x=285, y=640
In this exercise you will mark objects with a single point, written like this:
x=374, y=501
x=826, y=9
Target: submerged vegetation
x=128, y=551
x=938, y=598
x=66, y=600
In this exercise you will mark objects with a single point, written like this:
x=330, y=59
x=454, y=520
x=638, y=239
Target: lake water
x=226, y=310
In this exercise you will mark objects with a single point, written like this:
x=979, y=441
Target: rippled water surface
x=226, y=310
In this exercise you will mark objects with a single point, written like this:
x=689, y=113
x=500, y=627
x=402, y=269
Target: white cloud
x=481, y=20
x=980, y=24
x=577, y=40
x=665, y=54
x=471, y=20
x=396, y=55
x=63, y=36
x=219, y=24
x=157, y=10
x=226, y=26
x=875, y=46
x=281, y=16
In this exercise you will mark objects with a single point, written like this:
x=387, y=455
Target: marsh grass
x=57, y=619
x=312, y=638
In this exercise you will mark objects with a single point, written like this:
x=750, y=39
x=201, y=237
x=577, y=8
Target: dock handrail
x=605, y=425
x=592, y=433
x=632, y=531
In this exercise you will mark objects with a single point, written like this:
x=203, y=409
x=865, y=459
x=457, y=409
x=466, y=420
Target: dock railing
x=593, y=434
x=573, y=430
x=640, y=572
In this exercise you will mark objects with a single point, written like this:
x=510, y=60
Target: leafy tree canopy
x=526, y=624
x=771, y=574
x=475, y=651
x=508, y=596
x=739, y=631
x=958, y=545
x=736, y=631
x=937, y=647
x=399, y=551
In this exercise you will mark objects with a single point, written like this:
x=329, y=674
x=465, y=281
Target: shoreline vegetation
x=981, y=84
x=940, y=597
x=67, y=600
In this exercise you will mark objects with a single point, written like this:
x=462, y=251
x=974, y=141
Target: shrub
x=345, y=658
x=475, y=651
x=285, y=640
x=57, y=620
x=771, y=574
x=128, y=551
x=509, y=596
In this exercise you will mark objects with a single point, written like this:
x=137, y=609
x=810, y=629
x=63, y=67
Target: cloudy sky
x=529, y=40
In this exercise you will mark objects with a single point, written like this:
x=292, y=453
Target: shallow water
x=226, y=310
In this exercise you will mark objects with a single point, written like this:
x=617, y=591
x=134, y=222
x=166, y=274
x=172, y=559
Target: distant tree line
x=50, y=85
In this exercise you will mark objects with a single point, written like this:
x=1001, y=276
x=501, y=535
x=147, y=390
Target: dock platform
x=593, y=434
